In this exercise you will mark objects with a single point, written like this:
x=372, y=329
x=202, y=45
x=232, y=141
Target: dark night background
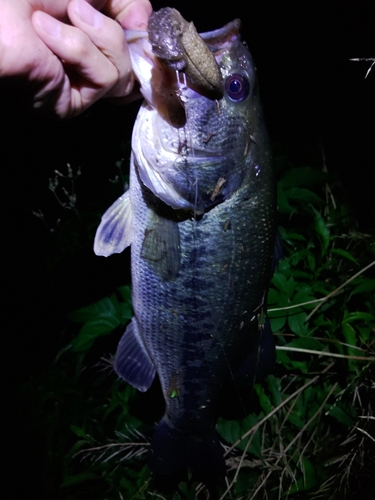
x=315, y=100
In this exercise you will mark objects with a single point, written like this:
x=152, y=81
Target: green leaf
x=311, y=261
x=341, y=416
x=279, y=280
x=365, y=333
x=303, y=176
x=125, y=293
x=126, y=484
x=290, y=235
x=282, y=202
x=344, y=253
x=299, y=256
x=286, y=286
x=108, y=305
x=290, y=287
x=359, y=316
x=247, y=423
x=78, y=445
x=283, y=358
x=295, y=420
x=277, y=321
x=301, y=275
x=264, y=400
x=126, y=312
x=273, y=296
x=309, y=479
x=284, y=266
x=303, y=195
x=102, y=324
x=300, y=365
x=351, y=339
x=78, y=431
x=367, y=286
x=306, y=343
x=297, y=323
x=232, y=430
x=79, y=478
x=322, y=230
x=274, y=387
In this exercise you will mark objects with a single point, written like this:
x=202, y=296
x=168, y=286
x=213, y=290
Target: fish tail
x=173, y=451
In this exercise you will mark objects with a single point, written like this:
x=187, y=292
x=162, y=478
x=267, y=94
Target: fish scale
x=200, y=218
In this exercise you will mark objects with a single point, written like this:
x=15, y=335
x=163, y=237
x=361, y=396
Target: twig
x=340, y=287
x=295, y=305
x=324, y=353
x=275, y=410
x=111, y=445
x=365, y=433
x=242, y=459
x=312, y=418
x=365, y=59
x=296, y=437
x=333, y=341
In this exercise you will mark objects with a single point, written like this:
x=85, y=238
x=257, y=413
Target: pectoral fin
x=114, y=233
x=161, y=246
x=132, y=362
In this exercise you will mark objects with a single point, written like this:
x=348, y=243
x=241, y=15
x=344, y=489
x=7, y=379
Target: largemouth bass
x=200, y=218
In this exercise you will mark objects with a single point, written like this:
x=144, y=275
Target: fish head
x=194, y=141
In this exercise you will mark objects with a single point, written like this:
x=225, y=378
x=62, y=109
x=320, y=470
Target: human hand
x=67, y=53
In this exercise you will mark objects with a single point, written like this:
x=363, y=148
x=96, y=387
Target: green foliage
x=102, y=317
x=312, y=433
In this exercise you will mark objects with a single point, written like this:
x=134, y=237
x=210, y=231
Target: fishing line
x=221, y=342
x=188, y=136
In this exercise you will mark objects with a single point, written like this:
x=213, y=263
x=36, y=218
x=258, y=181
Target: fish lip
x=221, y=38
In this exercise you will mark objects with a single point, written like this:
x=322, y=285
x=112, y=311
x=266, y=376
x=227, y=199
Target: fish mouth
x=177, y=44
x=162, y=74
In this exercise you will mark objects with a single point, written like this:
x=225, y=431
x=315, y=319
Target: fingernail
x=88, y=14
x=48, y=23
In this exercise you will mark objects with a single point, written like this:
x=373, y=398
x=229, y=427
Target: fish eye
x=237, y=87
